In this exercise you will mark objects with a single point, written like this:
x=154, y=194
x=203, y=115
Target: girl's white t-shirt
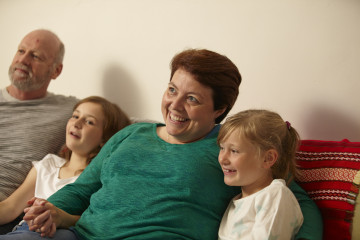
x=271, y=213
x=47, y=179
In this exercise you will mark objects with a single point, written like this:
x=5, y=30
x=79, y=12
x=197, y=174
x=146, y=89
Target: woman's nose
x=177, y=103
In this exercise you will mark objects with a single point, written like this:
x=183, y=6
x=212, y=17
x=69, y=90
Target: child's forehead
x=235, y=135
x=235, y=132
x=239, y=136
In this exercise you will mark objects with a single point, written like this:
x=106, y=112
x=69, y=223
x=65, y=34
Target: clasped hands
x=40, y=216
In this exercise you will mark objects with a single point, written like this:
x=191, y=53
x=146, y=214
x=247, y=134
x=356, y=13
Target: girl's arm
x=13, y=206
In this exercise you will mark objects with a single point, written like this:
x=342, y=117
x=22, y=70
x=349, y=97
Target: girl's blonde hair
x=266, y=130
x=114, y=120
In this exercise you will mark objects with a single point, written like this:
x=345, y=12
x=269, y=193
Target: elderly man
x=32, y=119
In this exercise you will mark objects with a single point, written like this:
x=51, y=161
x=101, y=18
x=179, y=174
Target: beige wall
x=300, y=58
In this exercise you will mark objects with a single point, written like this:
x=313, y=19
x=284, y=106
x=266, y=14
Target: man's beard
x=30, y=83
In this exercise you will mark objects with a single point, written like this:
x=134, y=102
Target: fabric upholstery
x=330, y=174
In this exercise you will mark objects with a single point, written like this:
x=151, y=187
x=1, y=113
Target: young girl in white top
x=257, y=152
x=93, y=122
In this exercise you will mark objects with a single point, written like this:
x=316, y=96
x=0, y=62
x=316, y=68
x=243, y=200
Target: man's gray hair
x=61, y=51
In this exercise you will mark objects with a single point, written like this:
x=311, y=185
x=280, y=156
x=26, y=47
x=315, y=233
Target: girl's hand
x=40, y=217
x=36, y=208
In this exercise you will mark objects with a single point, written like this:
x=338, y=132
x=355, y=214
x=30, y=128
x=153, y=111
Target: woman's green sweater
x=141, y=187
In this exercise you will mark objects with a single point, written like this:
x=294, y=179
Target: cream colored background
x=300, y=58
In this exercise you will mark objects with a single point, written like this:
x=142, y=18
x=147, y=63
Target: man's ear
x=57, y=71
x=270, y=158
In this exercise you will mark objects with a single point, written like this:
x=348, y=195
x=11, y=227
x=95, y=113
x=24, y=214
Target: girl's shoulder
x=277, y=190
x=50, y=161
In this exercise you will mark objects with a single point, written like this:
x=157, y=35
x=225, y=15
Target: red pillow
x=328, y=170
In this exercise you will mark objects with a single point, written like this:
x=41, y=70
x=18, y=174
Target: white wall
x=300, y=58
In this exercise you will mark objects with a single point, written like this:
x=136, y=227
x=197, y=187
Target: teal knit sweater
x=141, y=187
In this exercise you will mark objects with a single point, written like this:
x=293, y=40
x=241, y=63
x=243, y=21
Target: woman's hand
x=41, y=216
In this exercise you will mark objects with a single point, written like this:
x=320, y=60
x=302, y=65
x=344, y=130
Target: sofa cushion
x=330, y=174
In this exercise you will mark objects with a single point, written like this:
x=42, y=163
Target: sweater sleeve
x=312, y=227
x=74, y=198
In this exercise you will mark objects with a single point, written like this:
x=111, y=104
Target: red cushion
x=328, y=171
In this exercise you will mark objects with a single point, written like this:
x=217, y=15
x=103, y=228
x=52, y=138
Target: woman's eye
x=234, y=151
x=74, y=116
x=172, y=90
x=193, y=99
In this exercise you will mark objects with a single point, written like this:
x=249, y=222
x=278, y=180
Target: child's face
x=240, y=162
x=84, y=129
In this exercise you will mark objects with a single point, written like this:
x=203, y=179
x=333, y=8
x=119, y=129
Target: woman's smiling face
x=188, y=108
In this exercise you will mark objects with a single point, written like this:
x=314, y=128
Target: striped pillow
x=330, y=174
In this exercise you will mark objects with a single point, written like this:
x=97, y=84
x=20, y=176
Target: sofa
x=330, y=173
